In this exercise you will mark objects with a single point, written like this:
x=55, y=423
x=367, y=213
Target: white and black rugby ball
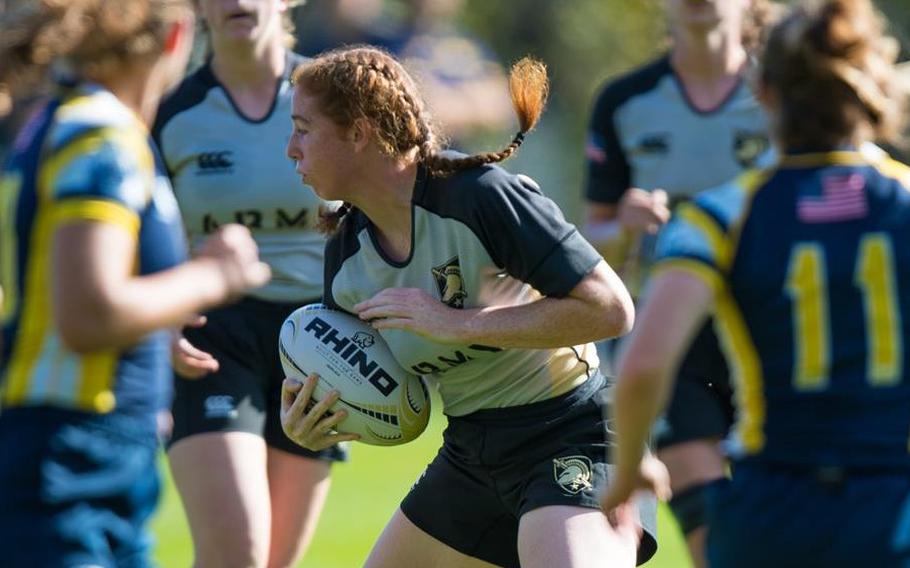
x=386, y=405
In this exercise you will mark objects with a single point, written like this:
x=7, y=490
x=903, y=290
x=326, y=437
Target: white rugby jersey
x=227, y=168
x=645, y=133
x=480, y=237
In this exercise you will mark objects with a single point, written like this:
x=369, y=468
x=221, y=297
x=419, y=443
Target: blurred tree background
x=584, y=43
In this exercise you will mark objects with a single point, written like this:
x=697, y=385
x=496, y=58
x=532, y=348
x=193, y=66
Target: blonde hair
x=94, y=36
x=368, y=83
x=832, y=69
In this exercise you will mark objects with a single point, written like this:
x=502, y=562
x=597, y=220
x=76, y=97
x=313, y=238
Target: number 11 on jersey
x=807, y=286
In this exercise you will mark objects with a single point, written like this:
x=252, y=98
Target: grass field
x=365, y=492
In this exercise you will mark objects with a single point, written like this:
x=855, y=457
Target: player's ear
x=360, y=133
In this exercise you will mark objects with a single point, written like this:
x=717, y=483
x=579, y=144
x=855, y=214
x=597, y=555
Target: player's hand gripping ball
x=385, y=404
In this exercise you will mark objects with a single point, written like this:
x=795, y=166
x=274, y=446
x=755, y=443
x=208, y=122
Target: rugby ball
x=386, y=405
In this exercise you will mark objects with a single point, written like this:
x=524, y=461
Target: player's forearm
x=546, y=323
x=123, y=315
x=599, y=307
x=640, y=395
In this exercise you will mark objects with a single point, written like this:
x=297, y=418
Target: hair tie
x=519, y=138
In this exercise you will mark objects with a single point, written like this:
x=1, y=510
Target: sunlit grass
x=364, y=494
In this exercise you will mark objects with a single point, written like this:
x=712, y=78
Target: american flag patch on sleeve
x=843, y=198
x=595, y=150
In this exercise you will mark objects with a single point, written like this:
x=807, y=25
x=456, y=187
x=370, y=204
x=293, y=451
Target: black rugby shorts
x=496, y=465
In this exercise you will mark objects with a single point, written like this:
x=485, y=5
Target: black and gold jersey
x=480, y=237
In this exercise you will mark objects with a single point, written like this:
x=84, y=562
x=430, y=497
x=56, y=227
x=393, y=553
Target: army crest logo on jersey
x=573, y=473
x=748, y=146
x=450, y=284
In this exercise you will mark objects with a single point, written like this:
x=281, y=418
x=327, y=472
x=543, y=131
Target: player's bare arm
x=599, y=306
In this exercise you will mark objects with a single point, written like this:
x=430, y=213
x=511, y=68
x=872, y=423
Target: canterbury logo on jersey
x=214, y=162
x=450, y=284
x=658, y=143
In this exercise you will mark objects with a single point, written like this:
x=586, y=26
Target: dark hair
x=831, y=68
x=366, y=82
x=95, y=36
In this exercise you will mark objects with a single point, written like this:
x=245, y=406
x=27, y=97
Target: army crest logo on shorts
x=573, y=473
x=450, y=284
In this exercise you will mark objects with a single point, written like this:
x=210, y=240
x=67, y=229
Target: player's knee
x=234, y=552
x=286, y=554
x=690, y=506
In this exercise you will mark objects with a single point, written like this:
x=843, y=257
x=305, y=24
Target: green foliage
x=583, y=41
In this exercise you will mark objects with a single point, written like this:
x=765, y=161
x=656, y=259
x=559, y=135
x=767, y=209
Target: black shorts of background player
x=252, y=498
x=517, y=322
x=683, y=123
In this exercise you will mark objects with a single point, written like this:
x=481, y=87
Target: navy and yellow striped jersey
x=84, y=157
x=810, y=262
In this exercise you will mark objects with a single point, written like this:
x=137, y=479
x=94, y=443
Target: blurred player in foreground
x=473, y=277
x=658, y=135
x=807, y=267
x=93, y=274
x=251, y=495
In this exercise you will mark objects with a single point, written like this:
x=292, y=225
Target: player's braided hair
x=94, y=36
x=831, y=66
x=366, y=82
